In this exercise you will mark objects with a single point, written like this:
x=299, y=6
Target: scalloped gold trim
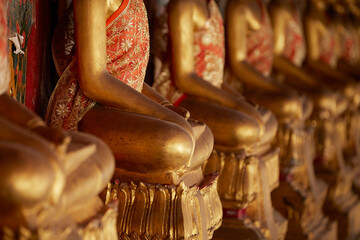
x=148, y=211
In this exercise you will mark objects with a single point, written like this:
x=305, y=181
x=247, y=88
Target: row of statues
x=248, y=128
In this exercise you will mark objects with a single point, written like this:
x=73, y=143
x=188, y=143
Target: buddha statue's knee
x=26, y=178
x=141, y=143
x=239, y=132
x=203, y=148
x=168, y=149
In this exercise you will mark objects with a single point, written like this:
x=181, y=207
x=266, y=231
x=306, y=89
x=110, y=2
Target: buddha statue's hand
x=179, y=110
x=178, y=118
x=55, y=136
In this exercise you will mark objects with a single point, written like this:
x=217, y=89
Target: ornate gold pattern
x=239, y=177
x=244, y=187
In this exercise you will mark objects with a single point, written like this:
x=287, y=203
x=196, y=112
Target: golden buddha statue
x=289, y=55
x=251, y=57
x=191, y=76
x=50, y=180
x=322, y=59
x=159, y=151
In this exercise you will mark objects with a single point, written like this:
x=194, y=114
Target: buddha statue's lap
x=168, y=162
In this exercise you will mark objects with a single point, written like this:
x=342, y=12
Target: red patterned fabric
x=260, y=44
x=295, y=48
x=210, y=49
x=350, y=48
x=4, y=67
x=209, y=56
x=127, y=42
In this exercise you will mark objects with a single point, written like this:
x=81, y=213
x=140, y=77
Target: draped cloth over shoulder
x=127, y=46
x=209, y=56
x=4, y=66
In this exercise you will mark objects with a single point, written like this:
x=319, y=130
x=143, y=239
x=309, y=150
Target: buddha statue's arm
x=24, y=118
x=94, y=79
x=236, y=19
x=151, y=93
x=298, y=77
x=181, y=29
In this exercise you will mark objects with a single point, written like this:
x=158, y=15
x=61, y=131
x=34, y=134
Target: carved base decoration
x=299, y=150
x=102, y=226
x=148, y=211
x=342, y=205
x=245, y=184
